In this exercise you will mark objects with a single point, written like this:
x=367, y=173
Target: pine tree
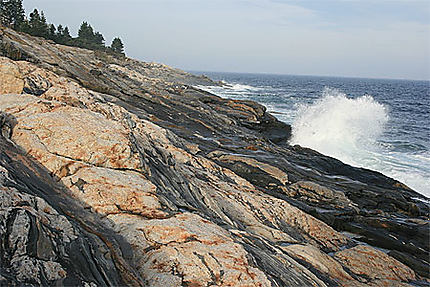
x=98, y=39
x=60, y=34
x=34, y=22
x=66, y=33
x=52, y=32
x=38, y=25
x=11, y=13
x=60, y=31
x=89, y=39
x=63, y=35
x=86, y=32
x=117, y=46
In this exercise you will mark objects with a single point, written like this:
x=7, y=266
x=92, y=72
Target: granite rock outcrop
x=119, y=172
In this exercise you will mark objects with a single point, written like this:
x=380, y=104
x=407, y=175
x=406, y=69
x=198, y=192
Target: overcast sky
x=377, y=39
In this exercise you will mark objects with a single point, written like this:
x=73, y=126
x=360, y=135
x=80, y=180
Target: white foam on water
x=348, y=129
x=339, y=126
x=242, y=88
x=231, y=90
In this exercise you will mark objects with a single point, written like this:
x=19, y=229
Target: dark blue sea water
x=378, y=124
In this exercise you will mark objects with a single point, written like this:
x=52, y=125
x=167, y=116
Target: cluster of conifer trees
x=12, y=15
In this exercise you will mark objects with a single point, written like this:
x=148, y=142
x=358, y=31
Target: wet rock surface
x=119, y=172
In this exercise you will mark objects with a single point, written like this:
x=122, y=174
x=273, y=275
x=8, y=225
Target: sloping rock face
x=44, y=240
x=118, y=172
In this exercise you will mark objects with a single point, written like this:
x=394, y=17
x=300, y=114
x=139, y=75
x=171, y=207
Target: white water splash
x=349, y=129
x=339, y=126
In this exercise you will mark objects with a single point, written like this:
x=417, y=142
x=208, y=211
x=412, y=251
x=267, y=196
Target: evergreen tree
x=63, y=35
x=34, y=21
x=60, y=31
x=85, y=32
x=43, y=18
x=89, y=39
x=38, y=25
x=98, y=39
x=52, y=32
x=24, y=27
x=117, y=46
x=11, y=13
x=66, y=33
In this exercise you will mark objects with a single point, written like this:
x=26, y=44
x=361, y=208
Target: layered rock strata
x=119, y=172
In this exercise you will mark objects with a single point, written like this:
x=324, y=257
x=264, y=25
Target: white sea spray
x=349, y=129
x=339, y=126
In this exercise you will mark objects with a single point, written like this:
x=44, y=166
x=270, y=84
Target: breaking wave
x=349, y=129
x=339, y=126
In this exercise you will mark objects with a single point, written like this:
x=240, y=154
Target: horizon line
x=308, y=75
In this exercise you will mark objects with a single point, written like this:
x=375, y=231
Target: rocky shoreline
x=119, y=172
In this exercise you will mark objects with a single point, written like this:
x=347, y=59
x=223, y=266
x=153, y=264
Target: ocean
x=379, y=124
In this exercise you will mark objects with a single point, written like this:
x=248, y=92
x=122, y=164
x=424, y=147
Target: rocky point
x=116, y=172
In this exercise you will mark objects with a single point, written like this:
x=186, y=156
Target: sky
x=349, y=38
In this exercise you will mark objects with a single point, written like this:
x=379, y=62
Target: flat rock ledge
x=115, y=172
